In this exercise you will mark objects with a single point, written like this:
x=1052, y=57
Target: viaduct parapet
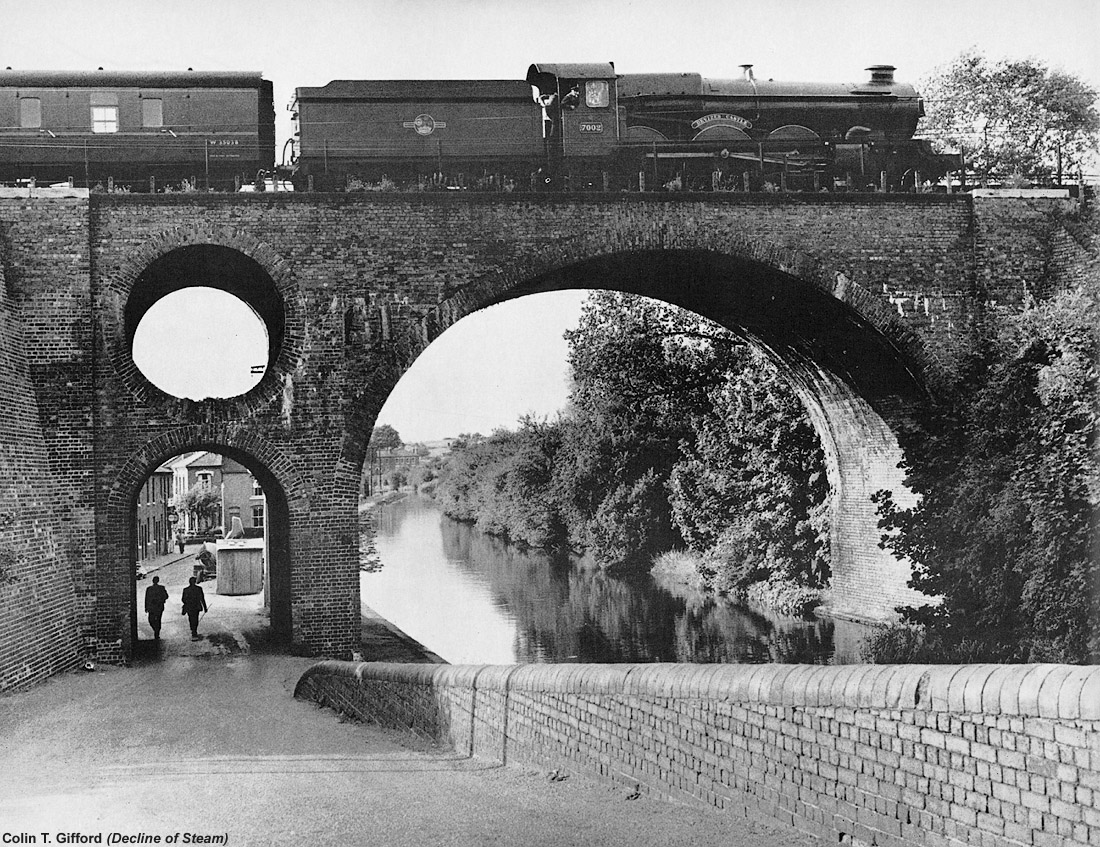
x=900, y=755
x=864, y=301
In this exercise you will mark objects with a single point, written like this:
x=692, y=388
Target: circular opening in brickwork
x=204, y=322
x=201, y=342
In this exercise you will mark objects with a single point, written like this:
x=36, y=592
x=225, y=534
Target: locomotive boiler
x=685, y=131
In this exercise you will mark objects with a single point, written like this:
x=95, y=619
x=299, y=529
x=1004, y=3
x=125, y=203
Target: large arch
x=287, y=490
x=861, y=374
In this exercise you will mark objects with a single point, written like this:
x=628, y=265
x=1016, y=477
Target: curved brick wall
x=859, y=754
x=38, y=614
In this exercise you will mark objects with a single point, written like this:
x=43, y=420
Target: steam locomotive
x=564, y=127
x=582, y=126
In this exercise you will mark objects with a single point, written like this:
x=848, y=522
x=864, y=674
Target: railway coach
x=134, y=129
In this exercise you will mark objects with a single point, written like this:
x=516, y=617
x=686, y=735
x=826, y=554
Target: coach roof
x=131, y=79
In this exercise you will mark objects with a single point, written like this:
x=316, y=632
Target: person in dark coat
x=155, y=598
x=194, y=601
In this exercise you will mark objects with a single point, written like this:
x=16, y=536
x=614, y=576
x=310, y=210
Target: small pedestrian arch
x=283, y=487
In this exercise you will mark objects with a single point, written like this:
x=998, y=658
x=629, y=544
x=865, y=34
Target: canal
x=471, y=598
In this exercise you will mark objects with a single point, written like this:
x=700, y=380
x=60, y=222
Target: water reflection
x=472, y=598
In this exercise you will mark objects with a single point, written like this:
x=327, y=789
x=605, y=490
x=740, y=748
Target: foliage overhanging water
x=472, y=598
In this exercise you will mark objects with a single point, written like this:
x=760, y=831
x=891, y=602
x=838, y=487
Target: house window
x=104, y=118
x=152, y=113
x=258, y=517
x=257, y=491
x=30, y=112
x=206, y=480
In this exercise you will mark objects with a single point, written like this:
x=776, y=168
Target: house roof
x=184, y=460
x=205, y=460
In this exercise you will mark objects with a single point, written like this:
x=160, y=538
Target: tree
x=202, y=501
x=640, y=369
x=674, y=432
x=1012, y=117
x=503, y=485
x=751, y=491
x=397, y=478
x=385, y=437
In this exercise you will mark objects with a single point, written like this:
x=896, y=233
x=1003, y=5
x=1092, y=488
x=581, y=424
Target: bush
x=679, y=567
x=1006, y=468
x=784, y=596
x=895, y=644
x=631, y=526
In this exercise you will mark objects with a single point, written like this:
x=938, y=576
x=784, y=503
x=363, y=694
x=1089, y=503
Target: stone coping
x=1039, y=690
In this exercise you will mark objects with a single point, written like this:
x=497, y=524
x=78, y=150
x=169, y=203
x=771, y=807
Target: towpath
x=205, y=739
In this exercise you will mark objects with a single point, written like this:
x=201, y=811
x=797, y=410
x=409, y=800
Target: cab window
x=596, y=94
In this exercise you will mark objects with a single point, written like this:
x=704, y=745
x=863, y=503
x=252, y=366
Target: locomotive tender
x=564, y=127
x=127, y=127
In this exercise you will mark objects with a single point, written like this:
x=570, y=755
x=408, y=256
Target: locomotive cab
x=580, y=122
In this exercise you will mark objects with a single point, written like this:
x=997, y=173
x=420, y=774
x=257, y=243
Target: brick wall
x=44, y=523
x=369, y=280
x=865, y=755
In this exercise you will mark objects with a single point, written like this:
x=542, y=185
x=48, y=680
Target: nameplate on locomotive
x=721, y=119
x=591, y=127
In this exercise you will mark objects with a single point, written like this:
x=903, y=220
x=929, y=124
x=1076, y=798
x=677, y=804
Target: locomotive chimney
x=882, y=74
x=747, y=70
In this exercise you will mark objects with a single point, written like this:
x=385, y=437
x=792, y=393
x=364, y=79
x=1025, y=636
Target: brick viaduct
x=863, y=300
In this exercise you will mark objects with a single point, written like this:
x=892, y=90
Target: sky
x=309, y=44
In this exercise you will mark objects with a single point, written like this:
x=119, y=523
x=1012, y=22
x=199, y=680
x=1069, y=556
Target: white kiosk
x=240, y=565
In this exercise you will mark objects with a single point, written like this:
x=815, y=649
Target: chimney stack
x=882, y=74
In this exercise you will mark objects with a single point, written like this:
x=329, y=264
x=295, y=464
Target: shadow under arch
x=861, y=374
x=800, y=312
x=281, y=485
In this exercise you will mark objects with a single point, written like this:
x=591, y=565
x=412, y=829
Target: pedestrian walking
x=179, y=540
x=194, y=601
x=155, y=598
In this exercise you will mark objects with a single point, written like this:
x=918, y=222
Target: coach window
x=104, y=118
x=104, y=112
x=596, y=93
x=152, y=112
x=30, y=112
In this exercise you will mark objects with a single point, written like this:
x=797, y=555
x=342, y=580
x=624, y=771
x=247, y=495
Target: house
x=154, y=515
x=381, y=461
x=240, y=493
x=438, y=449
